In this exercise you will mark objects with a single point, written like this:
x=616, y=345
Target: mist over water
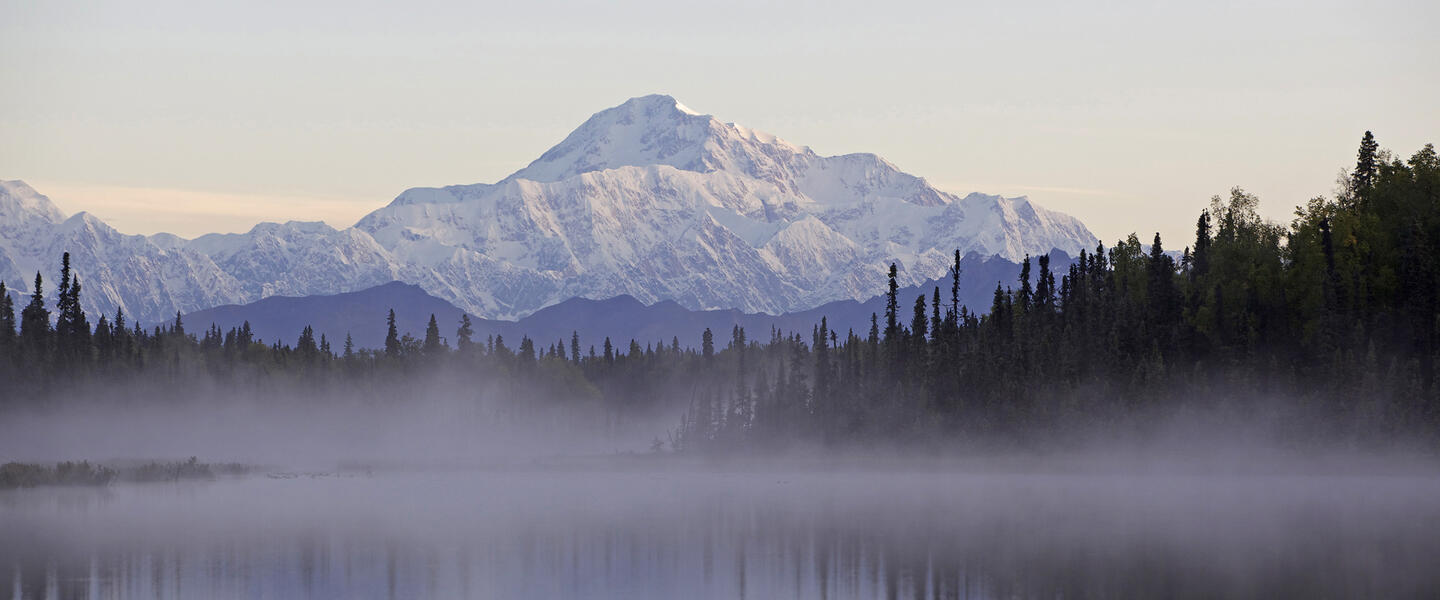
x=440, y=498
x=673, y=531
x=412, y=422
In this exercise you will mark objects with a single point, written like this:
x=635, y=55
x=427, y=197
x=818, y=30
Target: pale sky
x=196, y=117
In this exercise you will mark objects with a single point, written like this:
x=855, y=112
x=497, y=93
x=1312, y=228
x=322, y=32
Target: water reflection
x=636, y=534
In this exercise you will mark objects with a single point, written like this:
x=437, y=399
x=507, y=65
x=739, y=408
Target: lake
x=663, y=529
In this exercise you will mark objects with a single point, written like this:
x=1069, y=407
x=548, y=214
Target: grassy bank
x=26, y=475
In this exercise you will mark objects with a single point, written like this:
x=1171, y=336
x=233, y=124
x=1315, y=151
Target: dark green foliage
x=306, y=346
x=72, y=329
x=1341, y=309
x=527, y=351
x=464, y=335
x=1367, y=166
x=918, y=321
x=433, y=344
x=35, y=329
x=955, y=285
x=22, y=475
x=892, y=305
x=392, y=337
x=175, y=471
x=7, y=328
x=1026, y=297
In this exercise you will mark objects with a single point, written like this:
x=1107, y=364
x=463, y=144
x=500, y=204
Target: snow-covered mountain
x=114, y=269
x=656, y=201
x=647, y=199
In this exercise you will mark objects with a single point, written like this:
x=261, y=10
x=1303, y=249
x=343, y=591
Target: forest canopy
x=1336, y=309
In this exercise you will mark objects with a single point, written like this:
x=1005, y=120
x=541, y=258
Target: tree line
x=1338, y=310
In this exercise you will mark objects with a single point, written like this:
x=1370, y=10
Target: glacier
x=648, y=199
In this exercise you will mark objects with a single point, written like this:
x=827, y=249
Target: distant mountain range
x=362, y=314
x=647, y=199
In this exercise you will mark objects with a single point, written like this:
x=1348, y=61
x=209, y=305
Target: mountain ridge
x=362, y=314
x=647, y=199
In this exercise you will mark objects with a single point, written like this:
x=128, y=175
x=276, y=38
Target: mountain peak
x=657, y=130
x=646, y=199
x=18, y=200
x=647, y=130
x=656, y=104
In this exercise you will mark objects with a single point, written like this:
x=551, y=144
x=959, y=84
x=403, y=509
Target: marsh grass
x=15, y=475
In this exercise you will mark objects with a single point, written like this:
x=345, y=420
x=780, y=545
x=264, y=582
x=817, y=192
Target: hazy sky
x=195, y=117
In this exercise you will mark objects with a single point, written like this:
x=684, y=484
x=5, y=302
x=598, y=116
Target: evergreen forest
x=1336, y=313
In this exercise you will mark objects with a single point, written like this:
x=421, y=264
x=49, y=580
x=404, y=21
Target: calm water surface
x=635, y=533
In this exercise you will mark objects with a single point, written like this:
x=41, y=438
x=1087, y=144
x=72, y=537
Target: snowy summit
x=648, y=198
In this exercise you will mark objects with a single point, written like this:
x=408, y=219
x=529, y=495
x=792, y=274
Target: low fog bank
x=450, y=421
x=436, y=420
x=443, y=486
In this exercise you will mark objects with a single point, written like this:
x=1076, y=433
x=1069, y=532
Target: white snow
x=685, y=109
x=648, y=198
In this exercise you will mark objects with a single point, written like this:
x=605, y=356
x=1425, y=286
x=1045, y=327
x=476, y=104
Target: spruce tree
x=707, y=344
x=917, y=320
x=575, y=346
x=120, y=334
x=892, y=305
x=79, y=326
x=1045, y=287
x=1200, y=256
x=824, y=394
x=1025, y=299
x=35, y=325
x=103, y=341
x=955, y=287
x=1162, y=296
x=935, y=314
x=305, y=347
x=464, y=335
x=392, y=336
x=7, y=322
x=1367, y=165
x=64, y=346
x=527, y=351
x=433, y=345
x=997, y=308
x=912, y=358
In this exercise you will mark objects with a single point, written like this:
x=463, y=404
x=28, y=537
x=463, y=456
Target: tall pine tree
x=7, y=323
x=392, y=336
x=35, y=325
x=433, y=345
x=464, y=335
